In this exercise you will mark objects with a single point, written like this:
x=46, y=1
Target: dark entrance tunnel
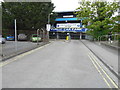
x=62, y=35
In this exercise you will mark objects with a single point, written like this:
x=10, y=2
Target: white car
x=2, y=40
x=22, y=37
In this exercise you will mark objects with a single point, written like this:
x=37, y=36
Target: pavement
x=108, y=55
x=113, y=44
x=10, y=48
x=60, y=64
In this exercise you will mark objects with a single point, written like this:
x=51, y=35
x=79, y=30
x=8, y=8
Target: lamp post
x=15, y=35
x=81, y=29
x=48, y=25
x=49, y=17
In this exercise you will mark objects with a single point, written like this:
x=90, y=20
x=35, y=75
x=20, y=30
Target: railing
x=114, y=39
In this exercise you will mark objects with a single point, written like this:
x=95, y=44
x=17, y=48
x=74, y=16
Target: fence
x=114, y=39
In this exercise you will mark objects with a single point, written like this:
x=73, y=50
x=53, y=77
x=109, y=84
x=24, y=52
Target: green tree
x=99, y=16
x=29, y=15
x=116, y=27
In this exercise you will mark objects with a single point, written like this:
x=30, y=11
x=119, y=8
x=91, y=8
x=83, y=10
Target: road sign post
x=48, y=27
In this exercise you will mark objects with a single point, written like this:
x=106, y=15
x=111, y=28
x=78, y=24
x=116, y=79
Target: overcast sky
x=65, y=5
x=70, y=5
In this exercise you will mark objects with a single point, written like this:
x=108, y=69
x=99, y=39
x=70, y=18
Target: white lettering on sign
x=68, y=25
x=68, y=16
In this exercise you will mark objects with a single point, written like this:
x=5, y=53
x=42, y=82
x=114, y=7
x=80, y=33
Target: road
x=60, y=64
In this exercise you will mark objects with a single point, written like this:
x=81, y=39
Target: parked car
x=10, y=38
x=35, y=38
x=2, y=40
x=22, y=37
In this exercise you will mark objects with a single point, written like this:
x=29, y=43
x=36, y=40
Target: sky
x=70, y=5
x=65, y=5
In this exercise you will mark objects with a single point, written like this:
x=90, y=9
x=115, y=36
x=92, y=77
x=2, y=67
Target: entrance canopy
x=69, y=19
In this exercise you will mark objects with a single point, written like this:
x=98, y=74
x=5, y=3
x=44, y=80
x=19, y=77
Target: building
x=66, y=23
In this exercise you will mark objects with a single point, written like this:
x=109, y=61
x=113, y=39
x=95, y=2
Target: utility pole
x=15, y=35
x=48, y=25
x=81, y=32
x=15, y=31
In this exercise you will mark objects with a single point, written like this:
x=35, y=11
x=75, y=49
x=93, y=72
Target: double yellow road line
x=102, y=72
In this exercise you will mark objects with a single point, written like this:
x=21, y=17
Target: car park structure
x=66, y=23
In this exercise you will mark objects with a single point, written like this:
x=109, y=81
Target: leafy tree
x=29, y=15
x=0, y=17
x=116, y=27
x=99, y=15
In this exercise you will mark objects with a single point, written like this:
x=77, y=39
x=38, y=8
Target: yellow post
x=66, y=37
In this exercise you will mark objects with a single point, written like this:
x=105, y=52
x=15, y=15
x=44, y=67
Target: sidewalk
x=107, y=55
x=9, y=52
x=114, y=44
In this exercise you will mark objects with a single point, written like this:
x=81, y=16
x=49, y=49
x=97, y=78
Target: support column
x=57, y=36
x=80, y=35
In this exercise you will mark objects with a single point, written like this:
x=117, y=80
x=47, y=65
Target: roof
x=69, y=19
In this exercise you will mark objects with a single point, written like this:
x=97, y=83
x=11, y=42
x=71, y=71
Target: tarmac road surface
x=60, y=64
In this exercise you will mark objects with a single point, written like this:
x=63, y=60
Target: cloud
x=65, y=5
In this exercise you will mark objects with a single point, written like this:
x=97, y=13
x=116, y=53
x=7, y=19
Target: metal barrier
x=106, y=37
x=113, y=40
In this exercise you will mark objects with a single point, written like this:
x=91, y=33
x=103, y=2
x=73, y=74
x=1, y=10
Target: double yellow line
x=102, y=72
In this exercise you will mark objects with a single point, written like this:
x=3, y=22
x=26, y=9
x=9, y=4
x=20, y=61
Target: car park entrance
x=63, y=35
x=67, y=24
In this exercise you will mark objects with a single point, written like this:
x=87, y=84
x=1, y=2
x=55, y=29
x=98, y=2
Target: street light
x=15, y=35
x=48, y=25
x=81, y=29
x=49, y=17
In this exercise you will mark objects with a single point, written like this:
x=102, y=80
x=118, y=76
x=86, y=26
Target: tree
x=116, y=27
x=29, y=15
x=99, y=15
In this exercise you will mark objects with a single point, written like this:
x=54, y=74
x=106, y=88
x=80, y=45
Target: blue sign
x=66, y=19
x=69, y=19
x=69, y=30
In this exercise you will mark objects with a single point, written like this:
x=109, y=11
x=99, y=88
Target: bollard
x=66, y=37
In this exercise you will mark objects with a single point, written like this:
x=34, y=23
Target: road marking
x=99, y=72
x=22, y=55
x=115, y=85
